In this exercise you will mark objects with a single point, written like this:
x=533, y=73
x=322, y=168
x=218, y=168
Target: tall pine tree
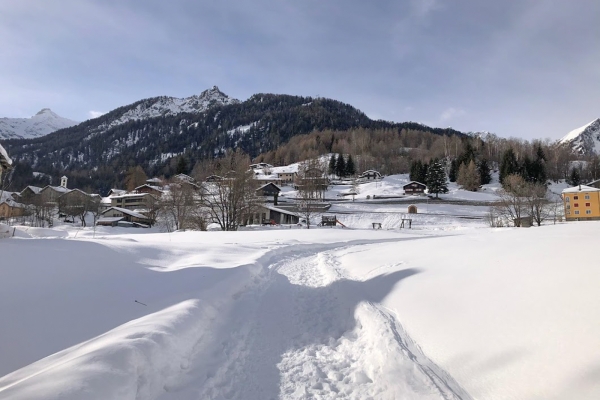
x=340, y=166
x=509, y=165
x=436, y=178
x=332, y=164
x=350, y=168
x=485, y=174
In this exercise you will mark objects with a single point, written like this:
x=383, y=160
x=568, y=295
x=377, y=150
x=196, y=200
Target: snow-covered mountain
x=585, y=140
x=166, y=106
x=41, y=124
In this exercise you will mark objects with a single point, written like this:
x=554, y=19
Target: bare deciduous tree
x=311, y=184
x=229, y=200
x=177, y=206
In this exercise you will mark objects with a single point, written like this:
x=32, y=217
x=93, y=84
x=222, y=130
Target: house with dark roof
x=414, y=187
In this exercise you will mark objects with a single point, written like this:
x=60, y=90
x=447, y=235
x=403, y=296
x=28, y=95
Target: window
x=588, y=211
x=575, y=197
x=576, y=205
x=576, y=212
x=587, y=196
x=568, y=212
x=587, y=204
x=567, y=199
x=568, y=206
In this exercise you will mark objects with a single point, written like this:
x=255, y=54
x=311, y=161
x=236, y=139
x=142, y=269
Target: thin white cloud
x=95, y=114
x=452, y=113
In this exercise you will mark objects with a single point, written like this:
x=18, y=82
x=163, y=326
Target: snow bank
x=509, y=313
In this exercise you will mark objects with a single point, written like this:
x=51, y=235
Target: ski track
x=308, y=332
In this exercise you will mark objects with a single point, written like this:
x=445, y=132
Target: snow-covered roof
x=414, y=182
x=154, y=180
x=122, y=196
x=5, y=161
x=580, y=188
x=268, y=184
x=288, y=169
x=59, y=189
x=109, y=219
x=157, y=188
x=34, y=189
x=126, y=211
x=281, y=210
x=184, y=177
x=113, y=192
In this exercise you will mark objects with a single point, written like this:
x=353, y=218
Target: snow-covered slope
x=585, y=140
x=165, y=105
x=41, y=124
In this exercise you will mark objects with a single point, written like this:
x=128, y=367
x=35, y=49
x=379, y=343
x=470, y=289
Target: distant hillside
x=41, y=124
x=154, y=132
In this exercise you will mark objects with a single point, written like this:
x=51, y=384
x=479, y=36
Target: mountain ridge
x=154, y=132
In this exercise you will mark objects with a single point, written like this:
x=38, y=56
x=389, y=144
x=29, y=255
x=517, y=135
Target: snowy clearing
x=450, y=311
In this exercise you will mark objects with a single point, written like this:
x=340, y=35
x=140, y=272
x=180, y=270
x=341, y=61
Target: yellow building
x=582, y=203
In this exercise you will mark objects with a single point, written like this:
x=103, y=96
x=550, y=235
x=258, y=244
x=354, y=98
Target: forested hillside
x=98, y=152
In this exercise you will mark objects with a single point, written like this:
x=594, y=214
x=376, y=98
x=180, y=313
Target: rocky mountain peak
x=584, y=140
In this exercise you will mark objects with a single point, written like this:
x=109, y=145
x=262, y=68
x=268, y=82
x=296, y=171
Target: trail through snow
x=309, y=332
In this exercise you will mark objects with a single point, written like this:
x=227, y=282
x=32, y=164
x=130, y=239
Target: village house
x=9, y=208
x=287, y=174
x=414, y=188
x=582, y=203
x=29, y=194
x=270, y=189
x=150, y=189
x=77, y=200
x=117, y=216
x=270, y=214
x=133, y=201
x=50, y=194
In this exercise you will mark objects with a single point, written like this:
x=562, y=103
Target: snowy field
x=446, y=312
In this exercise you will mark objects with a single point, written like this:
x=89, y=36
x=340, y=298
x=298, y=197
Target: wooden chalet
x=414, y=187
x=270, y=189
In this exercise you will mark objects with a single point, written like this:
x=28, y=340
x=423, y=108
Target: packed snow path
x=308, y=332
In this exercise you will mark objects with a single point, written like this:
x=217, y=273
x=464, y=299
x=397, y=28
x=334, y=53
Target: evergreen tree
x=538, y=167
x=340, y=166
x=332, y=164
x=509, y=165
x=453, y=170
x=350, y=168
x=575, y=178
x=436, y=178
x=468, y=155
x=485, y=175
x=418, y=171
x=182, y=166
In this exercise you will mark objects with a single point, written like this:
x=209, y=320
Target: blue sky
x=518, y=68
